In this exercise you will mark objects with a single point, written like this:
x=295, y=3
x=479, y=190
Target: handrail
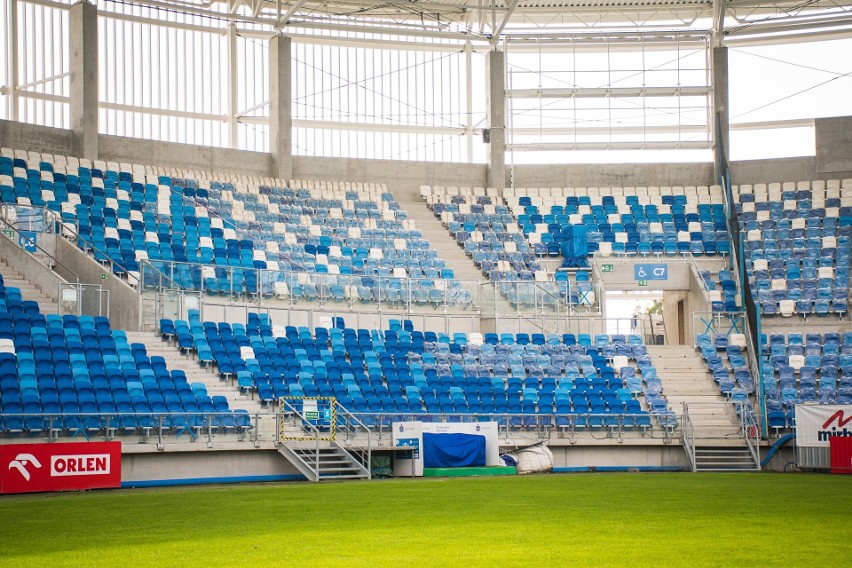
x=362, y=448
x=598, y=426
x=108, y=424
x=406, y=286
x=750, y=431
x=688, y=436
x=89, y=244
x=306, y=425
x=750, y=307
x=145, y=262
x=50, y=256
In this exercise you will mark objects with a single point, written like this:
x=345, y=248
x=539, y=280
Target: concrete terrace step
x=441, y=240
x=14, y=279
x=155, y=346
x=686, y=381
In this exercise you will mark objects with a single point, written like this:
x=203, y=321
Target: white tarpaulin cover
x=534, y=459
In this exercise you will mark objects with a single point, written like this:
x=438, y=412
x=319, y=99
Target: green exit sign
x=606, y=268
x=9, y=233
x=643, y=282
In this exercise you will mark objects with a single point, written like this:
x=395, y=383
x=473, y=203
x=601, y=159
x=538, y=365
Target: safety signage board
x=650, y=272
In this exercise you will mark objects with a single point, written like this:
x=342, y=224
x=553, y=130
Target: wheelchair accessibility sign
x=650, y=272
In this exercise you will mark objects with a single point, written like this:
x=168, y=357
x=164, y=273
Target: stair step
x=343, y=476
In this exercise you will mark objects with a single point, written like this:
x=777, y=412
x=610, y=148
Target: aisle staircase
x=713, y=436
x=155, y=346
x=29, y=291
x=440, y=239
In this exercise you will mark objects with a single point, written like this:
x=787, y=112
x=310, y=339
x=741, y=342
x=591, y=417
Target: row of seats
x=798, y=242
x=404, y=370
x=811, y=368
x=76, y=375
x=128, y=214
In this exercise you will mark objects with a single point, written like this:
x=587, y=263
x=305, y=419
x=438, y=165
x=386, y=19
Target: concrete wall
x=622, y=277
x=693, y=300
x=607, y=175
x=568, y=458
x=833, y=160
x=124, y=304
x=173, y=468
x=778, y=170
x=30, y=268
x=169, y=154
x=20, y=136
x=183, y=468
x=834, y=145
x=404, y=178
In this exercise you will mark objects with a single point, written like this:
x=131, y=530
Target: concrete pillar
x=496, y=118
x=719, y=65
x=83, y=22
x=280, y=107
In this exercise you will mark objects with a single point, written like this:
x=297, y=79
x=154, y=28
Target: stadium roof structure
x=492, y=21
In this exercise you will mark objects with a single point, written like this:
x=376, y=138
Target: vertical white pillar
x=719, y=65
x=280, y=107
x=233, y=95
x=496, y=119
x=83, y=19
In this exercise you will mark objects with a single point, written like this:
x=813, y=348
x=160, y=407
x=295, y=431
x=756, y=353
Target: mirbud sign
x=29, y=468
x=816, y=424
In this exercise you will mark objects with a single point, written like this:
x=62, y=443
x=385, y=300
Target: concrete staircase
x=155, y=346
x=689, y=386
x=441, y=240
x=12, y=278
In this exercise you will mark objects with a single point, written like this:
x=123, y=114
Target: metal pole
x=233, y=109
x=468, y=58
x=12, y=66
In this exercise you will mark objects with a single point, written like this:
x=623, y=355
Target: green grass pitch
x=632, y=520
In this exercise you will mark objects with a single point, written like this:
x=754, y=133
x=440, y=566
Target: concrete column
x=496, y=118
x=83, y=21
x=280, y=107
x=719, y=65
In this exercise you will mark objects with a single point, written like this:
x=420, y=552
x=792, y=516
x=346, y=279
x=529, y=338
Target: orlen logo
x=829, y=430
x=21, y=462
x=81, y=464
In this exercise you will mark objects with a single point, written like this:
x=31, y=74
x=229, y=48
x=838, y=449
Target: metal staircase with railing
x=331, y=444
x=710, y=448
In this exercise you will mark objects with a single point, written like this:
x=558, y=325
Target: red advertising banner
x=29, y=468
x=841, y=454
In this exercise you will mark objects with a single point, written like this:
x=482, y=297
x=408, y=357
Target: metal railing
x=750, y=430
x=356, y=432
x=356, y=436
x=82, y=299
x=552, y=426
x=299, y=424
x=688, y=436
x=148, y=427
x=294, y=287
x=52, y=262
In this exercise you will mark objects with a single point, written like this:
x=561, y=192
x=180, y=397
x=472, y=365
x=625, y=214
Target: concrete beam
x=83, y=23
x=280, y=107
x=833, y=145
x=719, y=66
x=496, y=118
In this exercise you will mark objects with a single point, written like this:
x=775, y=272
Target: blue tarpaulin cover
x=453, y=450
x=575, y=249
